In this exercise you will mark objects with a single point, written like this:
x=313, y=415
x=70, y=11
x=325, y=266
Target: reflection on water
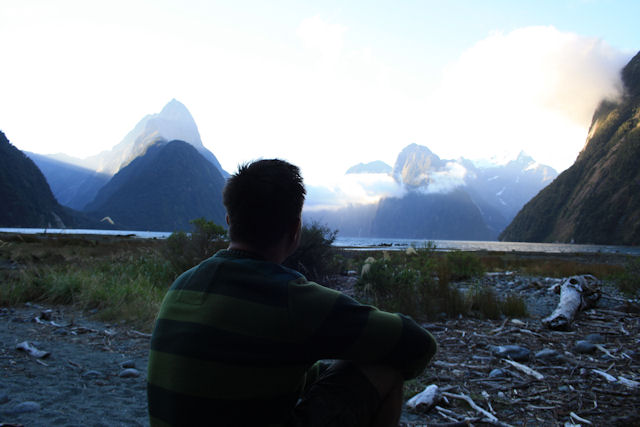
x=370, y=243
x=467, y=245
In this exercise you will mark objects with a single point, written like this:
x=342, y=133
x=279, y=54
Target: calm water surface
x=468, y=245
x=370, y=243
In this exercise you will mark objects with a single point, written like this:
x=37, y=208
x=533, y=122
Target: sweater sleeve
x=331, y=325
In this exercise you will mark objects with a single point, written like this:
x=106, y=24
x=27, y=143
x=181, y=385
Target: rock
x=498, y=372
x=513, y=352
x=584, y=347
x=24, y=407
x=127, y=364
x=92, y=373
x=547, y=353
x=129, y=373
x=595, y=338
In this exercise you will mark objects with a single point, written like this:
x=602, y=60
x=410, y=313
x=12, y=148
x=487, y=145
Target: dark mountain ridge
x=26, y=198
x=75, y=182
x=162, y=190
x=596, y=200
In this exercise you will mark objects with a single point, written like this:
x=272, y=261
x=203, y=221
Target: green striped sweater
x=236, y=336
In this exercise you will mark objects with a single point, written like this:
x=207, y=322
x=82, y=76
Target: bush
x=129, y=287
x=628, y=281
x=391, y=287
x=408, y=283
x=460, y=265
x=186, y=250
x=316, y=258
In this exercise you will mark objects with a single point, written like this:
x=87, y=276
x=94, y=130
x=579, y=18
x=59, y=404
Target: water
x=141, y=234
x=374, y=243
x=468, y=245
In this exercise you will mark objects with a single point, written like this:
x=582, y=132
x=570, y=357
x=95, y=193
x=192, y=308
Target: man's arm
x=332, y=325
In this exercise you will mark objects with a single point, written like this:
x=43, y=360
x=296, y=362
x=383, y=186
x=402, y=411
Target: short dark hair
x=263, y=199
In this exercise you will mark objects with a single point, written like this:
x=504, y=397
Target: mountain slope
x=72, y=185
x=25, y=196
x=165, y=188
x=596, y=200
x=174, y=122
x=451, y=216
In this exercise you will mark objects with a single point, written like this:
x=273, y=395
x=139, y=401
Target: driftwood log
x=576, y=293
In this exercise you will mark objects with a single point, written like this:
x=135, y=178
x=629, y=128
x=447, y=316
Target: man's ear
x=226, y=217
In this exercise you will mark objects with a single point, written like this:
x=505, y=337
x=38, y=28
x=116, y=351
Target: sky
x=325, y=85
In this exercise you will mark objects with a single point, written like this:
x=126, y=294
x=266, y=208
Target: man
x=237, y=338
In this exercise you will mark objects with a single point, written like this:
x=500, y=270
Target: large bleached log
x=576, y=293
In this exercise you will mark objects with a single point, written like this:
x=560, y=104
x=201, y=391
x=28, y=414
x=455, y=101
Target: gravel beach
x=74, y=371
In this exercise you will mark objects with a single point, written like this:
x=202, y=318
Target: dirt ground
x=95, y=372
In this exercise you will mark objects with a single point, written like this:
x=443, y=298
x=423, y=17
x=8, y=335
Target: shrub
x=459, y=265
x=513, y=306
x=628, y=281
x=483, y=300
x=316, y=258
x=186, y=250
x=129, y=287
x=391, y=287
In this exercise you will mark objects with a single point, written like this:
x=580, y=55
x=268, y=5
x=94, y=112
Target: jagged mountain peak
x=173, y=122
x=414, y=165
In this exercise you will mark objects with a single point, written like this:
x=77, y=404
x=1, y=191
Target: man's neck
x=275, y=254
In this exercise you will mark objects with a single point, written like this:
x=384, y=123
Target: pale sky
x=325, y=85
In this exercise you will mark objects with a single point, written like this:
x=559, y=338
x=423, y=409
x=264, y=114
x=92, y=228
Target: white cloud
x=534, y=88
x=349, y=189
x=446, y=180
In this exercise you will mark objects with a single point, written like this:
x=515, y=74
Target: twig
x=142, y=334
x=605, y=351
x=527, y=370
x=579, y=419
x=471, y=403
x=604, y=375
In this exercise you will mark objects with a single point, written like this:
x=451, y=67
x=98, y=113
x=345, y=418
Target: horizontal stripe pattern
x=237, y=332
x=177, y=409
x=215, y=380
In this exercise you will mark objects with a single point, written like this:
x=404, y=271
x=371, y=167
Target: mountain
x=174, y=122
x=27, y=200
x=414, y=166
x=443, y=199
x=500, y=191
x=596, y=200
x=450, y=216
x=162, y=190
x=75, y=182
x=377, y=166
x=73, y=186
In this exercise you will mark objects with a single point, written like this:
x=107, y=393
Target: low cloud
x=534, y=88
x=353, y=189
x=368, y=188
x=446, y=180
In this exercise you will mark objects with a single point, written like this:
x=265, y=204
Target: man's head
x=264, y=201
